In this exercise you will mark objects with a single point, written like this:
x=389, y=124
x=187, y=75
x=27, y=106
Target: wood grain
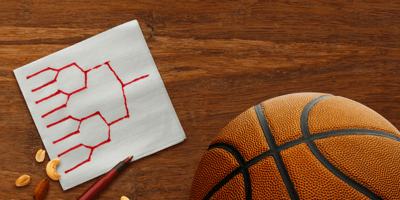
x=216, y=58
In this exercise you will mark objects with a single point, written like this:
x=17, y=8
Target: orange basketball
x=302, y=146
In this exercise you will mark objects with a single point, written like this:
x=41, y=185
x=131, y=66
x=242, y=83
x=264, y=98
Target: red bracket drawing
x=109, y=124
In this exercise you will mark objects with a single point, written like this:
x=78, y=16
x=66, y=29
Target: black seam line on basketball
x=324, y=161
x=224, y=181
x=277, y=157
x=245, y=171
x=352, y=132
x=304, y=115
x=265, y=128
x=232, y=149
x=320, y=136
x=335, y=133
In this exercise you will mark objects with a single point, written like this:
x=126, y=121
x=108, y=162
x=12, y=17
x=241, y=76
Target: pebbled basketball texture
x=302, y=146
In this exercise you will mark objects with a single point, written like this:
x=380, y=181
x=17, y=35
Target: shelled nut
x=23, y=180
x=40, y=155
x=51, y=169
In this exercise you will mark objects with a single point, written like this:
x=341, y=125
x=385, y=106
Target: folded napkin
x=99, y=101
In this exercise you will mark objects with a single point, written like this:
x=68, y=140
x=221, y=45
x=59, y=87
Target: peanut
x=124, y=198
x=23, y=180
x=51, y=169
x=40, y=155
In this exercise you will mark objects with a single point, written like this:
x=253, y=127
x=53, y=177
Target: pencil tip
x=130, y=157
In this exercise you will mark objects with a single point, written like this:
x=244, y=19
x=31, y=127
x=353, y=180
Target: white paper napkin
x=99, y=101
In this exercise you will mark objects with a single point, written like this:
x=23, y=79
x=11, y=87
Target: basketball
x=302, y=146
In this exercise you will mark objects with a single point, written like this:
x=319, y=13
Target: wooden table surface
x=216, y=58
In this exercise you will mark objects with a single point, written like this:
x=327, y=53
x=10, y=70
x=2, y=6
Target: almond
x=41, y=190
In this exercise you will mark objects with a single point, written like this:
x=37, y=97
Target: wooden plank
x=217, y=59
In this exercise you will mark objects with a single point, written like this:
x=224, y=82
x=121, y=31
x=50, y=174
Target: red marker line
x=75, y=147
x=46, y=84
x=69, y=117
x=50, y=96
x=65, y=137
x=142, y=77
x=69, y=135
x=39, y=72
x=87, y=160
x=107, y=63
x=54, y=110
x=87, y=117
x=98, y=66
x=127, y=116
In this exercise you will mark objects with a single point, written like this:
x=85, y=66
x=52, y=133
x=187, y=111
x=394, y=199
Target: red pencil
x=94, y=191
